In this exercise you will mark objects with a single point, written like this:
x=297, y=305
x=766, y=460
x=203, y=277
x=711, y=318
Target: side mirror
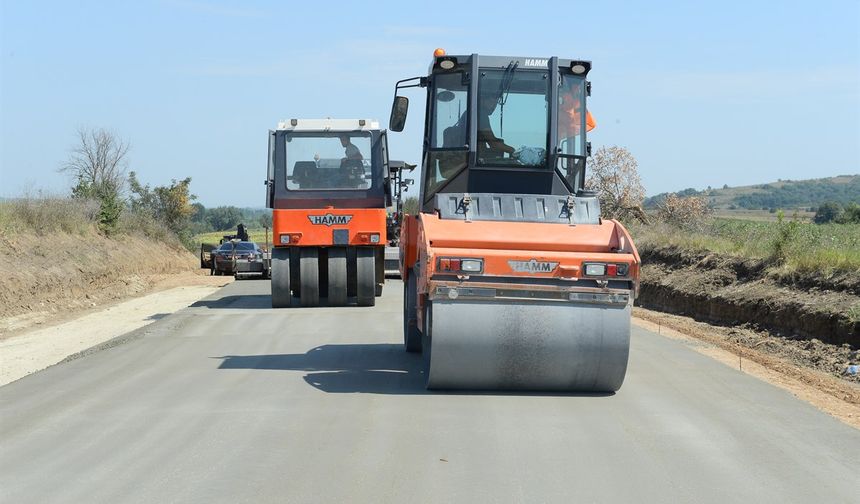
x=398, y=113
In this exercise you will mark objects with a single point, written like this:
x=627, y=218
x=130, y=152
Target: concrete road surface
x=230, y=401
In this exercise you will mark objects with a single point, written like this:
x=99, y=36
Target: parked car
x=240, y=258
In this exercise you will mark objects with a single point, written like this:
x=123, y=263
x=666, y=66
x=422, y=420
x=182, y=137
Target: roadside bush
x=684, y=212
x=786, y=235
x=136, y=223
x=168, y=207
x=614, y=174
x=48, y=214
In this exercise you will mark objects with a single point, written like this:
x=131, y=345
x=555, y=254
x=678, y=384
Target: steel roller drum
x=528, y=346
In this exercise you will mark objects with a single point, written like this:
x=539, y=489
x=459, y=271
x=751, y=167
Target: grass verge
x=256, y=235
x=792, y=245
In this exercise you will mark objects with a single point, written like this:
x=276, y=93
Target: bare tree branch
x=614, y=174
x=99, y=159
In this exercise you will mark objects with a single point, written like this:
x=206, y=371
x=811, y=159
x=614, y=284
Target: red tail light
x=368, y=237
x=460, y=265
x=602, y=269
x=290, y=238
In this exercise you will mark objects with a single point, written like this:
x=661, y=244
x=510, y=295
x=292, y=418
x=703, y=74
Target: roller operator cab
x=511, y=278
x=328, y=187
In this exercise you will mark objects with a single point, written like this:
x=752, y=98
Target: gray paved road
x=229, y=401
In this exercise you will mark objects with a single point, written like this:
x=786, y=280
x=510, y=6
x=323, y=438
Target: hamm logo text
x=533, y=266
x=329, y=219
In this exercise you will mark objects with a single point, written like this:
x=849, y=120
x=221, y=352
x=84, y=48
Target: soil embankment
x=736, y=291
x=813, y=322
x=45, y=278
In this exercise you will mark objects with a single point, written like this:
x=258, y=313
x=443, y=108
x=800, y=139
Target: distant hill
x=784, y=194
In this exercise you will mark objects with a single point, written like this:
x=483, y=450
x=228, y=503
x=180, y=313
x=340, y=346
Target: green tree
x=224, y=217
x=265, y=220
x=850, y=214
x=199, y=212
x=170, y=205
x=410, y=205
x=827, y=212
x=98, y=164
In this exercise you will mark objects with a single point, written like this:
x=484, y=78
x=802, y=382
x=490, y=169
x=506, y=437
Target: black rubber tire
x=411, y=334
x=337, y=276
x=282, y=297
x=365, y=291
x=309, y=277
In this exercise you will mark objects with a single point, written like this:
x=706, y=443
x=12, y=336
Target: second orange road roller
x=329, y=185
x=512, y=280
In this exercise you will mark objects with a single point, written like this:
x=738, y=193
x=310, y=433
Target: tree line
x=223, y=218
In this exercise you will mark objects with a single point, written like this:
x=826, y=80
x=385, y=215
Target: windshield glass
x=513, y=117
x=333, y=161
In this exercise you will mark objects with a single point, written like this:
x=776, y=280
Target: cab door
x=270, y=173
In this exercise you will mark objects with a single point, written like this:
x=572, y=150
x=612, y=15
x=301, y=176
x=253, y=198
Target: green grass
x=256, y=235
x=796, y=246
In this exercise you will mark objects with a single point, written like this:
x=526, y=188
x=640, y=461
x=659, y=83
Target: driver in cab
x=488, y=143
x=350, y=150
x=352, y=170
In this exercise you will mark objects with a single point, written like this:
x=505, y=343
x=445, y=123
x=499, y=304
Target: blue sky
x=727, y=93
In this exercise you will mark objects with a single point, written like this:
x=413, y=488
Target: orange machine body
x=317, y=227
x=551, y=256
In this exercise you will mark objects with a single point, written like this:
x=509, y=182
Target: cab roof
x=328, y=124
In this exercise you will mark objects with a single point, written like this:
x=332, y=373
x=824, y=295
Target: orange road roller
x=329, y=187
x=512, y=280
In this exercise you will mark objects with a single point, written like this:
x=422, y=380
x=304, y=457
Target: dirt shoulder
x=800, y=367
x=798, y=331
x=45, y=280
x=41, y=347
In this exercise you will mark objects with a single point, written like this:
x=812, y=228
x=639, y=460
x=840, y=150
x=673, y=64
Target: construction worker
x=242, y=233
x=570, y=116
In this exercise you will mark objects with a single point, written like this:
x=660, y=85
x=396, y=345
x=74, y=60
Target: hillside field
x=757, y=201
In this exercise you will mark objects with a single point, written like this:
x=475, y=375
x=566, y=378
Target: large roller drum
x=526, y=346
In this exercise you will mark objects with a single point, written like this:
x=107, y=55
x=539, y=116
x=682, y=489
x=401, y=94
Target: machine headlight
x=471, y=265
x=595, y=269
